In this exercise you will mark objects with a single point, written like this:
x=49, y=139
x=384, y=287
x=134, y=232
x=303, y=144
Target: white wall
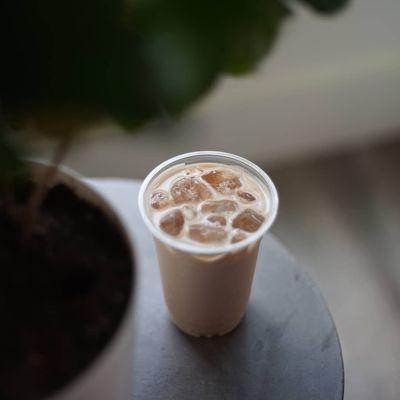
x=330, y=82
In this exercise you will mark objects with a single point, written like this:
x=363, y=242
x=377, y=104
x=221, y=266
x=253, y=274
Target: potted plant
x=66, y=262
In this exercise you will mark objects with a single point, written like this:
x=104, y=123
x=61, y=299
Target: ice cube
x=189, y=189
x=218, y=206
x=159, y=199
x=245, y=195
x=248, y=220
x=222, y=180
x=172, y=222
x=238, y=237
x=206, y=234
x=217, y=219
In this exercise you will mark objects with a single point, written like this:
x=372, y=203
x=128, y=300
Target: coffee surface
x=207, y=204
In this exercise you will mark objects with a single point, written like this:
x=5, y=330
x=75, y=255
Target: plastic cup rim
x=214, y=250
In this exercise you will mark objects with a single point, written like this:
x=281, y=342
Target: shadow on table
x=233, y=366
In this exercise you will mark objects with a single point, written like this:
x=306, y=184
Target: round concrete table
x=285, y=348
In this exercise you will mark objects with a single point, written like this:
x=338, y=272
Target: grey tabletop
x=286, y=347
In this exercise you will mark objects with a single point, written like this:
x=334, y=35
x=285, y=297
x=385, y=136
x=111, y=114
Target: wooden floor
x=340, y=216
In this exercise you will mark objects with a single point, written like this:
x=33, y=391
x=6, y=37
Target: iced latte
x=207, y=212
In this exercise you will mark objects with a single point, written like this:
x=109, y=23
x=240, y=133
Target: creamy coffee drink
x=208, y=204
x=207, y=212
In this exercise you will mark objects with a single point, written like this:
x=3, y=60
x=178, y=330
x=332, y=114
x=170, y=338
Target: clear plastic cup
x=206, y=289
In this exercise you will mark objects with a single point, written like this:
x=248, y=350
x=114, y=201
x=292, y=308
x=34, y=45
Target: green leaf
x=326, y=6
x=252, y=35
x=128, y=59
x=9, y=161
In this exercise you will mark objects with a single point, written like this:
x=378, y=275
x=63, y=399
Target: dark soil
x=63, y=292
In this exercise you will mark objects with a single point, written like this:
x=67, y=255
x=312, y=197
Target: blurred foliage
x=8, y=160
x=70, y=63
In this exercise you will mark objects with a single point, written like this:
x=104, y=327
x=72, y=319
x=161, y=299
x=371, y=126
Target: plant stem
x=6, y=197
x=41, y=188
